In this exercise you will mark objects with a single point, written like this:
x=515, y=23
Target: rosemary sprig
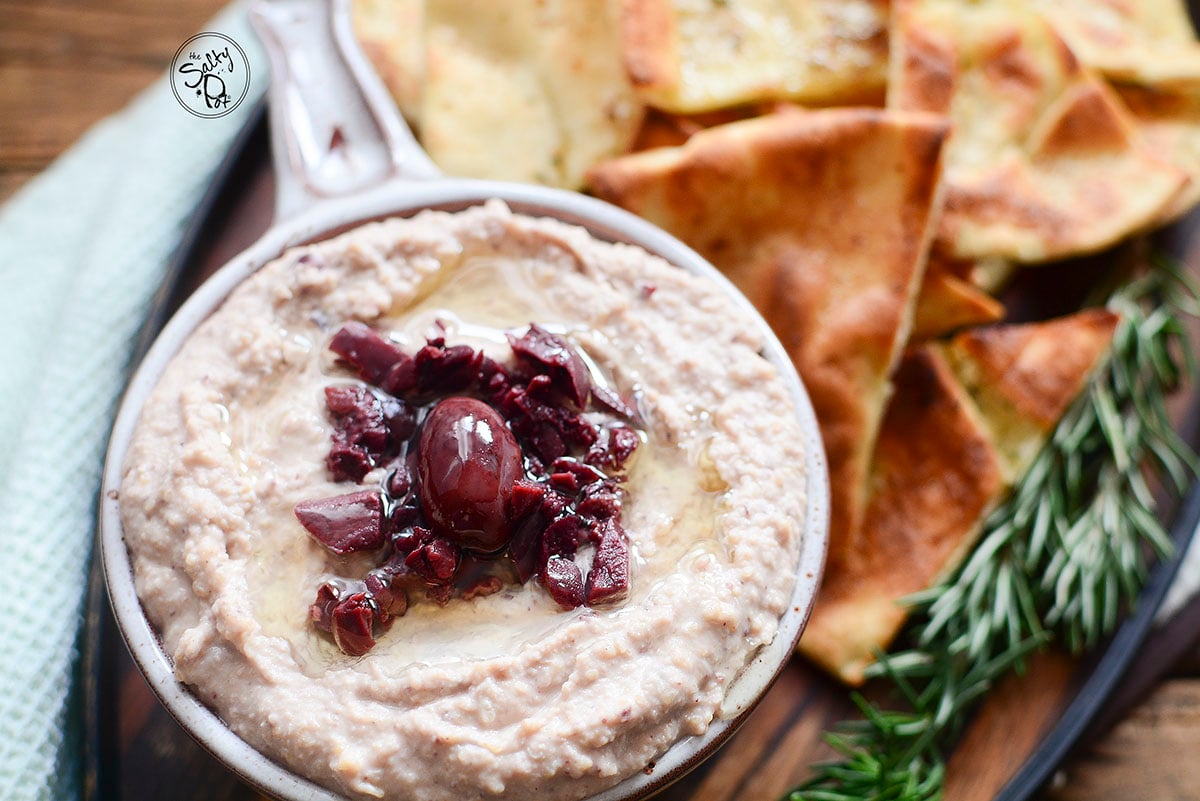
x=1060, y=558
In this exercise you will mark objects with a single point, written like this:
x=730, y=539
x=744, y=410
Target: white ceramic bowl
x=410, y=185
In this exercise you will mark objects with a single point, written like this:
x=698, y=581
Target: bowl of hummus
x=457, y=489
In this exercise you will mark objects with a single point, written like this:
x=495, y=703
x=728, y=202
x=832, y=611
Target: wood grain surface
x=64, y=64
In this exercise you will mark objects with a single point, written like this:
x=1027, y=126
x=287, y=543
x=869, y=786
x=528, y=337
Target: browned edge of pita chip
x=1168, y=122
x=665, y=129
x=948, y=301
x=1087, y=119
x=648, y=44
x=935, y=477
x=1023, y=377
x=921, y=74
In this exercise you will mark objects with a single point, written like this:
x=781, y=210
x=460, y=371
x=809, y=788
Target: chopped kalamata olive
x=526, y=497
x=404, y=516
x=435, y=561
x=399, y=481
x=467, y=464
x=409, y=539
x=600, y=500
x=548, y=431
x=541, y=389
x=524, y=547
x=400, y=419
x=321, y=611
x=347, y=463
x=360, y=433
x=344, y=523
x=445, y=370
x=494, y=378
x=553, y=356
x=354, y=624
x=564, y=581
x=367, y=352
x=614, y=447
x=385, y=586
x=563, y=537
x=553, y=504
x=608, y=578
x=401, y=380
x=344, y=400
x=565, y=482
x=607, y=399
x=568, y=475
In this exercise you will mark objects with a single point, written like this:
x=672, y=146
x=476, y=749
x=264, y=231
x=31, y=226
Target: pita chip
x=965, y=422
x=525, y=90
x=822, y=218
x=688, y=56
x=391, y=33
x=1141, y=42
x=949, y=300
x=664, y=129
x=934, y=478
x=1169, y=124
x=1022, y=377
x=1044, y=162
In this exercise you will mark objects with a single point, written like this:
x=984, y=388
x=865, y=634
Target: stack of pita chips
x=1044, y=162
x=971, y=138
x=965, y=422
x=823, y=220
x=522, y=90
x=1148, y=50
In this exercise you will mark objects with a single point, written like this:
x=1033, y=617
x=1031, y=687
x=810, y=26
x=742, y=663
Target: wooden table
x=64, y=64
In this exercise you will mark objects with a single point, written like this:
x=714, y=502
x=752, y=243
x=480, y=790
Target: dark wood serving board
x=136, y=752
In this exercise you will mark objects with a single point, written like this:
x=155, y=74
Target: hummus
x=506, y=693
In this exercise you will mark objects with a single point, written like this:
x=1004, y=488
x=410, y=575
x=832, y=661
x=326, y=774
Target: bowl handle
x=334, y=128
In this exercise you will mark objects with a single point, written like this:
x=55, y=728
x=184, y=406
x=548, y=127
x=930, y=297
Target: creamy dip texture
x=500, y=694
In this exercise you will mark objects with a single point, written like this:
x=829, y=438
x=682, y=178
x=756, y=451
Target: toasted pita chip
x=935, y=477
x=525, y=90
x=949, y=300
x=1146, y=42
x=1044, y=162
x=391, y=33
x=698, y=55
x=663, y=129
x=1169, y=123
x=947, y=452
x=822, y=219
x=1021, y=377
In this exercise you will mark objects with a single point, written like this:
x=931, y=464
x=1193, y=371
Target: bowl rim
x=602, y=220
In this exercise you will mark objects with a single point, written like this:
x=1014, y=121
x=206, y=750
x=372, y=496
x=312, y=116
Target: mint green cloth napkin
x=82, y=249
